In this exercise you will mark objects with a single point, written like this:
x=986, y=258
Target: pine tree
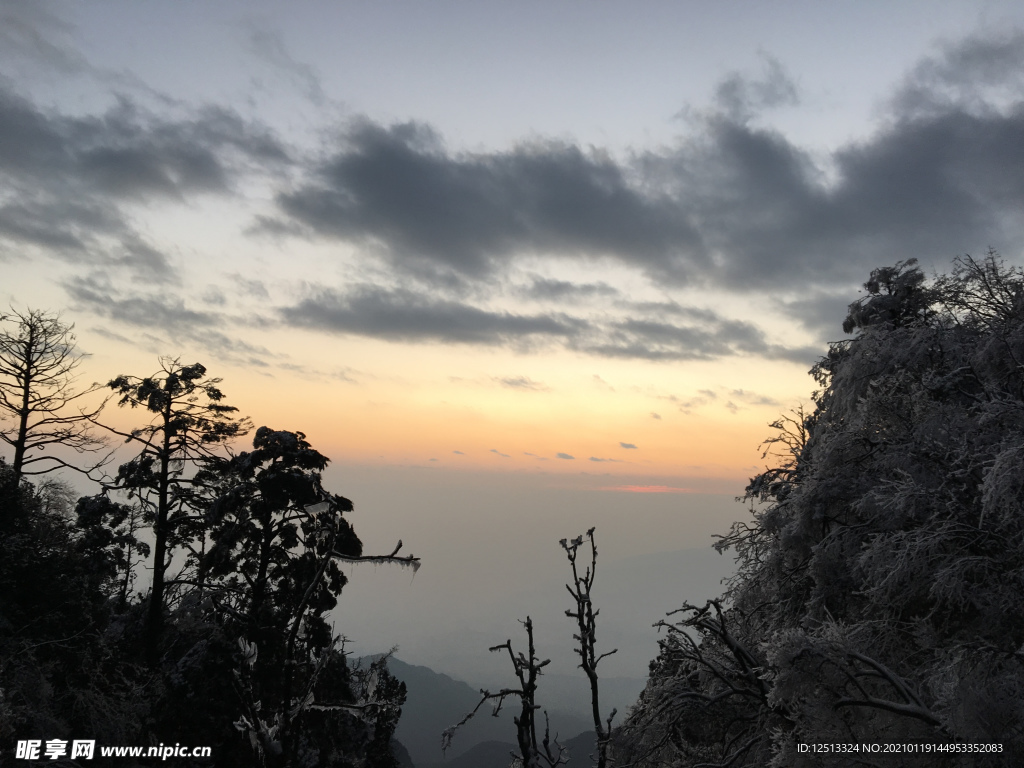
x=188, y=420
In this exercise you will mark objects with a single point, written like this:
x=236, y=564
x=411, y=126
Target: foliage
x=240, y=656
x=188, y=419
x=272, y=573
x=879, y=591
x=251, y=637
x=110, y=538
x=59, y=674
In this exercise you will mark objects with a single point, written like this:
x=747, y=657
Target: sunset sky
x=517, y=268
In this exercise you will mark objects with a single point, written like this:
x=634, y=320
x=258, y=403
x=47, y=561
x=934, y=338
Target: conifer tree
x=188, y=420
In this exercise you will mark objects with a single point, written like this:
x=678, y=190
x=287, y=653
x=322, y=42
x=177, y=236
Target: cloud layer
x=734, y=205
x=457, y=247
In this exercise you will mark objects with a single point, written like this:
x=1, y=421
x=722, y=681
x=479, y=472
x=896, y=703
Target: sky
x=517, y=268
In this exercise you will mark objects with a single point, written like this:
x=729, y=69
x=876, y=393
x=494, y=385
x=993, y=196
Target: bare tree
x=38, y=368
x=528, y=668
x=546, y=754
x=586, y=623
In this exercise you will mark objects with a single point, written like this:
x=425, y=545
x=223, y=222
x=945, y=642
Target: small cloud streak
x=630, y=446
x=503, y=455
x=521, y=382
x=564, y=456
x=458, y=453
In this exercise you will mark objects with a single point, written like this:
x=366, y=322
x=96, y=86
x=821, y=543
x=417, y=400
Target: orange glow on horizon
x=647, y=489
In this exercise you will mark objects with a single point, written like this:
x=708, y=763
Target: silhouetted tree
x=528, y=667
x=110, y=534
x=586, y=623
x=38, y=368
x=188, y=420
x=272, y=577
x=535, y=751
x=59, y=674
x=247, y=656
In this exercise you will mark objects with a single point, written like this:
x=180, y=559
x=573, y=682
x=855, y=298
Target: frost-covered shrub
x=880, y=590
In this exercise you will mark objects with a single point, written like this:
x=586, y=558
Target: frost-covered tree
x=880, y=590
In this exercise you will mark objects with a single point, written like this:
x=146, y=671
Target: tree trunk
x=155, y=609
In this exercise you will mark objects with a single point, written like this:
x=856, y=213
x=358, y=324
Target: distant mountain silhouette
x=633, y=593
x=436, y=701
x=486, y=754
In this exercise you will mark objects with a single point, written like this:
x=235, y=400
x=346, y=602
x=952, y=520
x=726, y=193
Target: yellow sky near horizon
x=464, y=408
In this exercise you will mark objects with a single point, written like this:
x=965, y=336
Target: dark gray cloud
x=741, y=97
x=713, y=337
x=402, y=315
x=30, y=33
x=753, y=398
x=128, y=152
x=627, y=445
x=67, y=181
x=966, y=75
x=166, y=322
x=735, y=205
x=545, y=289
x=36, y=44
x=269, y=49
x=820, y=312
x=248, y=286
x=399, y=314
x=707, y=396
x=732, y=205
x=568, y=457
x=160, y=312
x=397, y=188
x=144, y=261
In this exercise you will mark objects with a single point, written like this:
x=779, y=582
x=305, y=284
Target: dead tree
x=548, y=753
x=586, y=623
x=38, y=396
